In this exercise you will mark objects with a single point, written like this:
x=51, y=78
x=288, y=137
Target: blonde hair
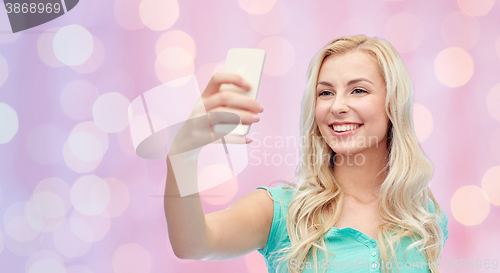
x=404, y=194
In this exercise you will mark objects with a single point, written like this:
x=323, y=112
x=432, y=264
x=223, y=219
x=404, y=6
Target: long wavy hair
x=404, y=194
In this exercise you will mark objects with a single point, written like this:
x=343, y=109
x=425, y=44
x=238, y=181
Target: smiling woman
x=358, y=103
x=361, y=198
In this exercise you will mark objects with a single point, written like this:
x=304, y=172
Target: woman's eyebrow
x=359, y=80
x=325, y=83
x=353, y=81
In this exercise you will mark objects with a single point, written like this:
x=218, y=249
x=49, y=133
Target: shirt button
x=374, y=265
x=374, y=253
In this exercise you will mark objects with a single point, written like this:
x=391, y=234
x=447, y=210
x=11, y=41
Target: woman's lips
x=345, y=133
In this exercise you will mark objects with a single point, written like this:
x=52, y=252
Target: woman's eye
x=325, y=93
x=359, y=91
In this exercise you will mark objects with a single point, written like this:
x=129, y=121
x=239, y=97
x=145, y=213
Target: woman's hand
x=222, y=107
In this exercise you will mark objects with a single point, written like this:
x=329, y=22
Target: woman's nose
x=339, y=105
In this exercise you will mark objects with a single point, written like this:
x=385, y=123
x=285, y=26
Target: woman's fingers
x=221, y=78
x=232, y=100
x=234, y=139
x=225, y=115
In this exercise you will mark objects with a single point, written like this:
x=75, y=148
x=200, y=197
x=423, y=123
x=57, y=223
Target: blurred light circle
x=91, y=128
x=46, y=49
x=81, y=229
x=16, y=223
x=404, y=31
x=40, y=220
x=495, y=144
x=159, y=14
x=78, y=269
x=76, y=164
x=1, y=242
x=85, y=146
x=20, y=229
x=42, y=255
x=4, y=70
x=131, y=258
x=206, y=71
x=127, y=14
x=22, y=249
x=90, y=195
x=167, y=75
x=460, y=30
x=176, y=38
x=47, y=265
x=476, y=7
x=67, y=243
x=491, y=185
x=270, y=23
x=1, y=197
x=7, y=36
x=9, y=123
x=91, y=228
x=257, y=6
x=110, y=112
x=175, y=58
x=77, y=99
x=73, y=45
x=119, y=197
x=255, y=263
x=35, y=214
x=45, y=143
x=470, y=205
x=454, y=67
x=94, y=61
x=221, y=193
x=49, y=204
x=493, y=102
x=423, y=121
x=280, y=55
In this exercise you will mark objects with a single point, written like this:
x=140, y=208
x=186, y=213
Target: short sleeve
x=275, y=193
x=278, y=230
x=443, y=221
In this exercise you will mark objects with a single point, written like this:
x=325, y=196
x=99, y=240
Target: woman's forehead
x=350, y=65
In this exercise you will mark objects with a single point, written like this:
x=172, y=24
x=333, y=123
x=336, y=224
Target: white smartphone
x=249, y=64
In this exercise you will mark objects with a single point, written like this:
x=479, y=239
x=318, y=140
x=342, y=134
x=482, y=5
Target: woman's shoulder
x=281, y=193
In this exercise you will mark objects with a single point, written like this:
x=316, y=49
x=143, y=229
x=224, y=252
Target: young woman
x=360, y=202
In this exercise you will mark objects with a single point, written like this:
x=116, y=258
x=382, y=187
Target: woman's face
x=350, y=98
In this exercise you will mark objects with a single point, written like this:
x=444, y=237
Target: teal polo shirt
x=354, y=251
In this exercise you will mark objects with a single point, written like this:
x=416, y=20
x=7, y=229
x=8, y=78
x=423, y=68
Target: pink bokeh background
x=75, y=198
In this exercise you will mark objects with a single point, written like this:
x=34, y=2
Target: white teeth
x=343, y=128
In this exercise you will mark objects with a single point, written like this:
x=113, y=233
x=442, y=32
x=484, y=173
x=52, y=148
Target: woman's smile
x=345, y=130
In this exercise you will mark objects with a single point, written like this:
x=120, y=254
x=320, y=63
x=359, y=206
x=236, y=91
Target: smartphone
x=249, y=64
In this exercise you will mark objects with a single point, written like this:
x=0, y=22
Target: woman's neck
x=361, y=174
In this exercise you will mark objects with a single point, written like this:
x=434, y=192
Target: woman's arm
x=226, y=234
x=223, y=235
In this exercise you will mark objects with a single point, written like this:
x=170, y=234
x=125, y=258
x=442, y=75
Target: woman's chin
x=346, y=150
